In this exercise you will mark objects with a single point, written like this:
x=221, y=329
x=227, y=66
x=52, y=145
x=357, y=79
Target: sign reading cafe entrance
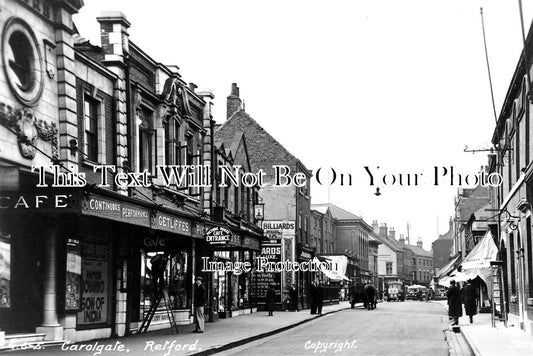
x=218, y=235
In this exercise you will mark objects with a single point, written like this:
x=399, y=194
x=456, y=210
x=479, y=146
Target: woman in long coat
x=455, y=307
x=270, y=300
x=470, y=295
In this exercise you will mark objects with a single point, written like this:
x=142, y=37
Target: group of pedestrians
x=315, y=292
x=468, y=296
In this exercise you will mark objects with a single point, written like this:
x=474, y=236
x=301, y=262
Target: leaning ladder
x=153, y=308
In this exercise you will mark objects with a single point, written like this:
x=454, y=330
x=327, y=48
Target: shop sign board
x=112, y=209
x=170, y=223
x=277, y=229
x=251, y=243
x=9, y=178
x=218, y=235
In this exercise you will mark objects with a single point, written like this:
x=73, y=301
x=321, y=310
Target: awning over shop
x=337, y=270
x=448, y=268
x=477, y=263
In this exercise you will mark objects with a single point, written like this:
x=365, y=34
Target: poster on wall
x=73, y=276
x=95, y=284
x=263, y=280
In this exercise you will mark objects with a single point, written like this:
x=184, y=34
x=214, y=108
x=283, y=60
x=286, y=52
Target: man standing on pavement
x=199, y=302
x=455, y=308
x=469, y=295
x=313, y=295
x=319, y=297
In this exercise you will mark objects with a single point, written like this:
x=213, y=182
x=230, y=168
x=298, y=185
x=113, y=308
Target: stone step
x=25, y=341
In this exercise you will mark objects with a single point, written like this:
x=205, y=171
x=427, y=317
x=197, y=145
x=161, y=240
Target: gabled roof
x=391, y=243
x=336, y=212
x=232, y=146
x=419, y=251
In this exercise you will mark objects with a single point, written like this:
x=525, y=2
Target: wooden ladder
x=153, y=308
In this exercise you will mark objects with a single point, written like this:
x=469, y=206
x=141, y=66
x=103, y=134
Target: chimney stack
x=233, y=101
x=375, y=226
x=114, y=35
x=402, y=239
x=419, y=243
x=392, y=233
x=383, y=231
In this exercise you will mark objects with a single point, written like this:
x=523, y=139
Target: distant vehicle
x=395, y=291
x=417, y=292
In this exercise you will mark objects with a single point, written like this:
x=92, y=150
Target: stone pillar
x=50, y=325
x=66, y=84
x=209, y=156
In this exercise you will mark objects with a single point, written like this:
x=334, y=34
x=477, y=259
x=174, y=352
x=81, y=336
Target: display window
x=175, y=277
x=5, y=271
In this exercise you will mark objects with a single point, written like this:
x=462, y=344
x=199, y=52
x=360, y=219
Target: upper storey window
x=22, y=61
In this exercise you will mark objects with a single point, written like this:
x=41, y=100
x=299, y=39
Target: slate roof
x=419, y=251
x=337, y=212
x=264, y=150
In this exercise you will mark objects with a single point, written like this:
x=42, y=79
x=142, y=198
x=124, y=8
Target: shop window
x=176, y=279
x=90, y=133
x=5, y=271
x=22, y=61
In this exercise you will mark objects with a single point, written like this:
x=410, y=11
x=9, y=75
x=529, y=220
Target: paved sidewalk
x=500, y=340
x=218, y=336
x=484, y=340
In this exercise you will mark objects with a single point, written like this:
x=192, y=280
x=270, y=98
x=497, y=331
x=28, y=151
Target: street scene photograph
x=247, y=177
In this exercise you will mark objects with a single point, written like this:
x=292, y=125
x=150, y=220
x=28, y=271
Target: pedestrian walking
x=455, y=308
x=470, y=295
x=293, y=296
x=199, y=303
x=314, y=296
x=319, y=297
x=270, y=300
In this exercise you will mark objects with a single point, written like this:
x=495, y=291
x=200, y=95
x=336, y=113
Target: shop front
x=304, y=278
x=232, y=288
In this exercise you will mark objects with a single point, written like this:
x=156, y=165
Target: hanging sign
x=218, y=236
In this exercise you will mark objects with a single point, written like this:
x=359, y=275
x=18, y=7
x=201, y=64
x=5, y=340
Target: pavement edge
x=247, y=340
x=470, y=344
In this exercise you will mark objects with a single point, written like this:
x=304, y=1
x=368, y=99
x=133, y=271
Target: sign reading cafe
x=218, y=236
